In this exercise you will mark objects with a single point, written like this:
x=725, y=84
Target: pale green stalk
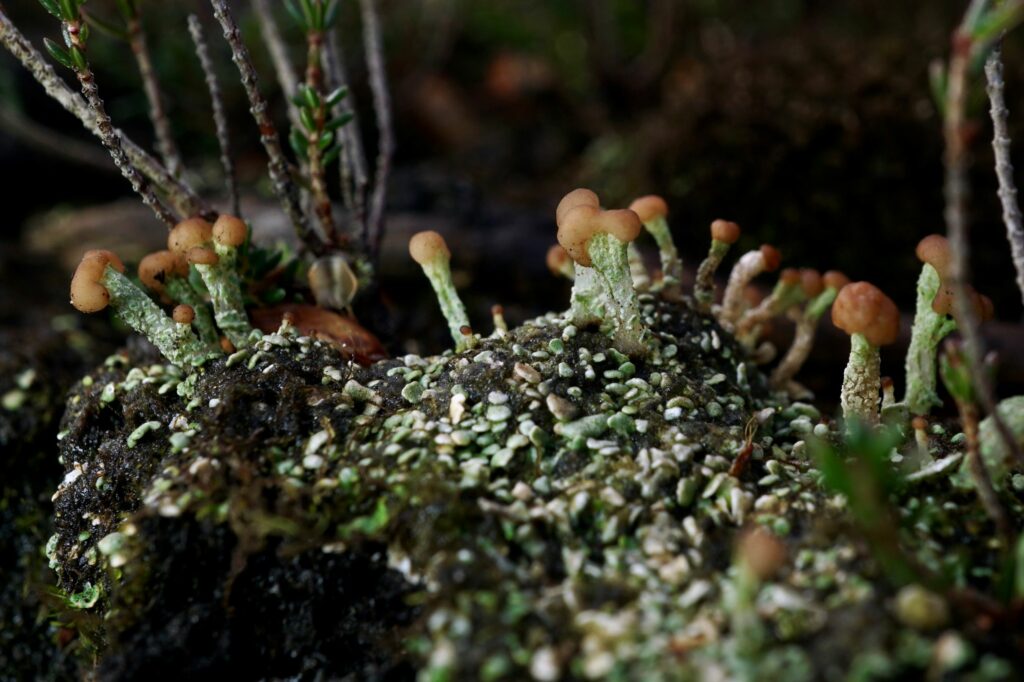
x=224, y=285
x=181, y=291
x=439, y=272
x=588, y=301
x=928, y=331
x=862, y=382
x=671, y=264
x=610, y=260
x=704, y=286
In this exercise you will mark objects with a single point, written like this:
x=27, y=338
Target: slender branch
x=353, y=158
x=287, y=78
x=220, y=118
x=158, y=115
x=317, y=171
x=382, y=107
x=106, y=132
x=956, y=194
x=979, y=474
x=28, y=132
x=1004, y=167
x=280, y=173
x=183, y=197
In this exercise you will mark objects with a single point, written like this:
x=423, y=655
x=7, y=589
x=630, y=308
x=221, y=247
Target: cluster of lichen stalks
x=596, y=251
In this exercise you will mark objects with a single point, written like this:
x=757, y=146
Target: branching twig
x=219, y=116
x=280, y=173
x=105, y=128
x=317, y=171
x=979, y=474
x=353, y=159
x=28, y=132
x=151, y=86
x=382, y=107
x=283, y=68
x=1004, y=167
x=184, y=199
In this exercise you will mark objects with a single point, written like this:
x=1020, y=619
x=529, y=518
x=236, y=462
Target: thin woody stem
x=280, y=173
x=108, y=136
x=979, y=474
x=220, y=118
x=184, y=199
x=956, y=193
x=353, y=158
x=157, y=113
x=283, y=67
x=1004, y=167
x=317, y=172
x=382, y=108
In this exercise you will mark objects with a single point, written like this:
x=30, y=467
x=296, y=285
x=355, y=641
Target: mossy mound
x=539, y=506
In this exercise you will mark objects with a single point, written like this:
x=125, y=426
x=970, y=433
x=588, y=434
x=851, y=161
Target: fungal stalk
x=99, y=282
x=653, y=213
x=166, y=273
x=806, y=329
x=749, y=266
x=872, y=320
x=638, y=269
x=598, y=240
x=723, y=235
x=559, y=263
x=192, y=240
x=794, y=287
x=431, y=252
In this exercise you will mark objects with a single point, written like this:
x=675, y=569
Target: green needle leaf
x=58, y=53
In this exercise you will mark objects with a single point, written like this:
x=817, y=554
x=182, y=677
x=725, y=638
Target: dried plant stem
x=956, y=194
x=283, y=67
x=157, y=113
x=382, y=108
x=280, y=174
x=1004, y=167
x=28, y=132
x=108, y=136
x=979, y=474
x=183, y=197
x=353, y=158
x=220, y=118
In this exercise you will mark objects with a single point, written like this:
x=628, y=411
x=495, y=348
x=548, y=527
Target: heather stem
x=382, y=108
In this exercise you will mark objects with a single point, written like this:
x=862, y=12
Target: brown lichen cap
x=425, y=247
x=811, y=282
x=201, y=255
x=725, y=231
x=772, y=257
x=87, y=293
x=762, y=552
x=156, y=268
x=188, y=234
x=789, y=276
x=557, y=259
x=862, y=308
x=650, y=207
x=230, y=231
x=577, y=197
x=183, y=314
x=944, y=303
x=833, y=279
x=934, y=250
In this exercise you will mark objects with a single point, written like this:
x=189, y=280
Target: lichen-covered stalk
x=704, y=286
x=928, y=331
x=671, y=264
x=637, y=269
x=862, y=382
x=223, y=283
x=181, y=291
x=439, y=272
x=176, y=342
x=749, y=266
x=588, y=303
x=803, y=340
x=610, y=259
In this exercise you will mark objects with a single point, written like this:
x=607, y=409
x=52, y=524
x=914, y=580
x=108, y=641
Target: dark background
x=809, y=123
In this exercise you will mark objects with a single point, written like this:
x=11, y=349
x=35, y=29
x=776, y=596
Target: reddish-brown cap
x=230, y=231
x=862, y=308
x=811, y=282
x=581, y=223
x=772, y=258
x=725, y=231
x=577, y=197
x=183, y=314
x=201, y=255
x=156, y=268
x=919, y=423
x=189, y=234
x=650, y=207
x=789, y=276
x=934, y=250
x=427, y=246
x=558, y=259
x=87, y=292
x=762, y=552
x=834, y=279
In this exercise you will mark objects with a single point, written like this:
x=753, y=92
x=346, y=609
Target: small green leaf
x=58, y=53
x=311, y=97
x=325, y=141
x=68, y=10
x=107, y=27
x=295, y=13
x=342, y=120
x=331, y=15
x=274, y=295
x=332, y=155
x=306, y=116
x=308, y=12
x=299, y=143
x=337, y=96
x=51, y=7
x=78, y=58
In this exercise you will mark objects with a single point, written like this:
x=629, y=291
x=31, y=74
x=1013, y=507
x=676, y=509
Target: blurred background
x=809, y=123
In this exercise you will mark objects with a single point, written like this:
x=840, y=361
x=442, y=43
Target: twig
x=28, y=132
x=979, y=473
x=382, y=108
x=280, y=173
x=317, y=172
x=151, y=86
x=283, y=68
x=353, y=157
x=220, y=119
x=1004, y=167
x=107, y=135
x=183, y=197
x=956, y=194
